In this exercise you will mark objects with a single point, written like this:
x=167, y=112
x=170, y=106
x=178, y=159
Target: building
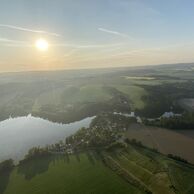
x=170, y=114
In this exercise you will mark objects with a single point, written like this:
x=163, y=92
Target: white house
x=170, y=114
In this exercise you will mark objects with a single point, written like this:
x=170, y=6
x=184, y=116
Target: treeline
x=186, y=121
x=35, y=152
x=164, y=98
x=6, y=168
x=6, y=165
x=137, y=143
x=177, y=158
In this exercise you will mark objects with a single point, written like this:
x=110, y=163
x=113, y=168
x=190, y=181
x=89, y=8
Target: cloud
x=17, y=43
x=87, y=46
x=115, y=33
x=28, y=30
x=6, y=40
x=13, y=43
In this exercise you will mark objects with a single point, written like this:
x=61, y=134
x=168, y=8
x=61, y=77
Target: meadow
x=81, y=173
x=131, y=170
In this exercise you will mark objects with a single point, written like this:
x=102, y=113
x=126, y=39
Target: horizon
x=97, y=96
x=60, y=35
x=96, y=68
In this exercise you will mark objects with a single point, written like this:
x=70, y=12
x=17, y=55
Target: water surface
x=18, y=135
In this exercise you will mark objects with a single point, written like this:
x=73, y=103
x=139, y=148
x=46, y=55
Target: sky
x=95, y=33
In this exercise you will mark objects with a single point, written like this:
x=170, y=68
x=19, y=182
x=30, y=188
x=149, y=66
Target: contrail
x=6, y=40
x=115, y=33
x=28, y=30
x=13, y=43
x=17, y=43
x=87, y=46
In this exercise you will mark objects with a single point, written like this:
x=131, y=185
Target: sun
x=41, y=44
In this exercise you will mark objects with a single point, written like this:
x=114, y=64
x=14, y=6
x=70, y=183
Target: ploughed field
x=131, y=170
x=176, y=142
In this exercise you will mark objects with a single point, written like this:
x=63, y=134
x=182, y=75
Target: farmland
x=180, y=143
x=80, y=173
x=131, y=170
x=98, y=165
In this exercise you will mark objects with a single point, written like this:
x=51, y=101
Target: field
x=75, y=174
x=180, y=143
x=134, y=94
x=67, y=96
x=131, y=170
x=182, y=178
x=149, y=172
x=156, y=172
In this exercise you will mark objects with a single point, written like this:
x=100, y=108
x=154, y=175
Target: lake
x=18, y=135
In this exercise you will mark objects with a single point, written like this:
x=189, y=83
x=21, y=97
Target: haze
x=90, y=34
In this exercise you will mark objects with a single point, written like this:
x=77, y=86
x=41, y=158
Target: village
x=104, y=130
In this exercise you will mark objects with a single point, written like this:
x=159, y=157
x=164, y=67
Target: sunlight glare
x=42, y=44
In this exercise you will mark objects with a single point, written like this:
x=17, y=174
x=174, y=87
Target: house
x=70, y=151
x=170, y=114
x=132, y=114
x=139, y=120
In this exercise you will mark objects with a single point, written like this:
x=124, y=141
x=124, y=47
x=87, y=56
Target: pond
x=18, y=135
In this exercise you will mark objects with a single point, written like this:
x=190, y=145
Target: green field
x=147, y=170
x=159, y=174
x=182, y=178
x=77, y=174
x=134, y=94
x=121, y=171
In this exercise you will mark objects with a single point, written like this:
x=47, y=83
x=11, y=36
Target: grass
x=146, y=169
x=85, y=173
x=134, y=93
x=85, y=93
x=76, y=174
x=94, y=93
x=182, y=178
